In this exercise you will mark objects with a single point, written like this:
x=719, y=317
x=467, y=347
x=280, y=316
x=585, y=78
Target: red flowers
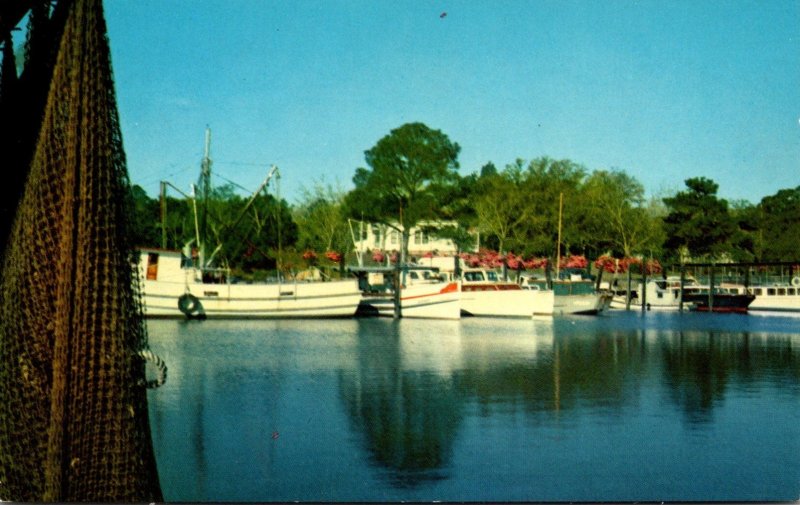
x=614, y=265
x=334, y=256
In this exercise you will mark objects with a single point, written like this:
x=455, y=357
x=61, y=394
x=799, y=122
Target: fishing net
x=73, y=399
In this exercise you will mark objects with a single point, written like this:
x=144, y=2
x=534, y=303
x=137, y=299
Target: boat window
x=757, y=291
x=152, y=266
x=771, y=291
x=782, y=291
x=660, y=294
x=661, y=284
x=492, y=276
x=790, y=291
x=413, y=275
x=473, y=276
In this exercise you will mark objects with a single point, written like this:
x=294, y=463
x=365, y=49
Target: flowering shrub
x=574, y=261
x=614, y=265
x=378, y=256
x=309, y=255
x=334, y=256
x=534, y=263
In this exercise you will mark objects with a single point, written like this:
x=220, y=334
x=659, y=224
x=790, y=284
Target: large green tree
x=409, y=170
x=545, y=182
x=698, y=223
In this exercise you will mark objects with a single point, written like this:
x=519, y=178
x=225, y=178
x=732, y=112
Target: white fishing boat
x=423, y=294
x=173, y=287
x=484, y=294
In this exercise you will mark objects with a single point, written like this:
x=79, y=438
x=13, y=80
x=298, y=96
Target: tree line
x=412, y=176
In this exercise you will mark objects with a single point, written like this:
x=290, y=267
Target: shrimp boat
x=175, y=284
x=174, y=287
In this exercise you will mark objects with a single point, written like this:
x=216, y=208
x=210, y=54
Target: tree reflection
x=409, y=417
x=700, y=367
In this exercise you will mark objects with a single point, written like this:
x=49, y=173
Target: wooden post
x=398, y=311
x=644, y=291
x=628, y=294
x=711, y=288
x=163, y=198
x=683, y=280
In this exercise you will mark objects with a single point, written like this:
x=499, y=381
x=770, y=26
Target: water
x=624, y=407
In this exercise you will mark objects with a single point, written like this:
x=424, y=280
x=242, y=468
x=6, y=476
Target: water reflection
x=401, y=395
x=368, y=408
x=700, y=367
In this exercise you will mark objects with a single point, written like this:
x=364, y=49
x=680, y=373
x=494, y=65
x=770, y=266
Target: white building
x=386, y=238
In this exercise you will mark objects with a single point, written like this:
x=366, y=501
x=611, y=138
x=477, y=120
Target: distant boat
x=665, y=294
x=771, y=299
x=484, y=294
x=173, y=287
x=721, y=300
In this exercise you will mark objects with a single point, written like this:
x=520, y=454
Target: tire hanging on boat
x=796, y=282
x=190, y=306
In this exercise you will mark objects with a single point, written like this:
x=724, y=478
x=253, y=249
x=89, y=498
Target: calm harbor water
x=622, y=407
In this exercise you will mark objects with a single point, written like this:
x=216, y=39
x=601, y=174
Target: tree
x=500, y=205
x=322, y=225
x=780, y=225
x=408, y=168
x=145, y=223
x=544, y=181
x=616, y=214
x=698, y=222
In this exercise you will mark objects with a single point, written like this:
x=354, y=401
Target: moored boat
x=771, y=299
x=483, y=294
x=572, y=295
x=173, y=287
x=665, y=294
x=422, y=295
x=721, y=300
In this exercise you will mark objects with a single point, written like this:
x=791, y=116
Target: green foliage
x=616, y=215
x=247, y=240
x=410, y=169
x=699, y=222
x=779, y=226
x=322, y=223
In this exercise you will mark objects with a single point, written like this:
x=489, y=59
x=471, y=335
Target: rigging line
x=230, y=181
x=242, y=163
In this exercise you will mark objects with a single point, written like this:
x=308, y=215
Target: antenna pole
x=558, y=246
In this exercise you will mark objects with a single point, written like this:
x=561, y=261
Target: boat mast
x=205, y=188
x=558, y=245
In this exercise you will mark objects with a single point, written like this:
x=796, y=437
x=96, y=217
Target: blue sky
x=664, y=90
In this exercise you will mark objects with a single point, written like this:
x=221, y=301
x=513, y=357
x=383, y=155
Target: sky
x=664, y=90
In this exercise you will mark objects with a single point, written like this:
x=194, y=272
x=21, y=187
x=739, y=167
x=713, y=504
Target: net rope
x=73, y=401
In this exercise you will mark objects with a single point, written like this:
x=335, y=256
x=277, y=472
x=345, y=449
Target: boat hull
x=488, y=302
x=723, y=303
x=581, y=304
x=425, y=301
x=253, y=301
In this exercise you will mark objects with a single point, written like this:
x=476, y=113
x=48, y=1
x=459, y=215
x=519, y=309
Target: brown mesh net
x=73, y=404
